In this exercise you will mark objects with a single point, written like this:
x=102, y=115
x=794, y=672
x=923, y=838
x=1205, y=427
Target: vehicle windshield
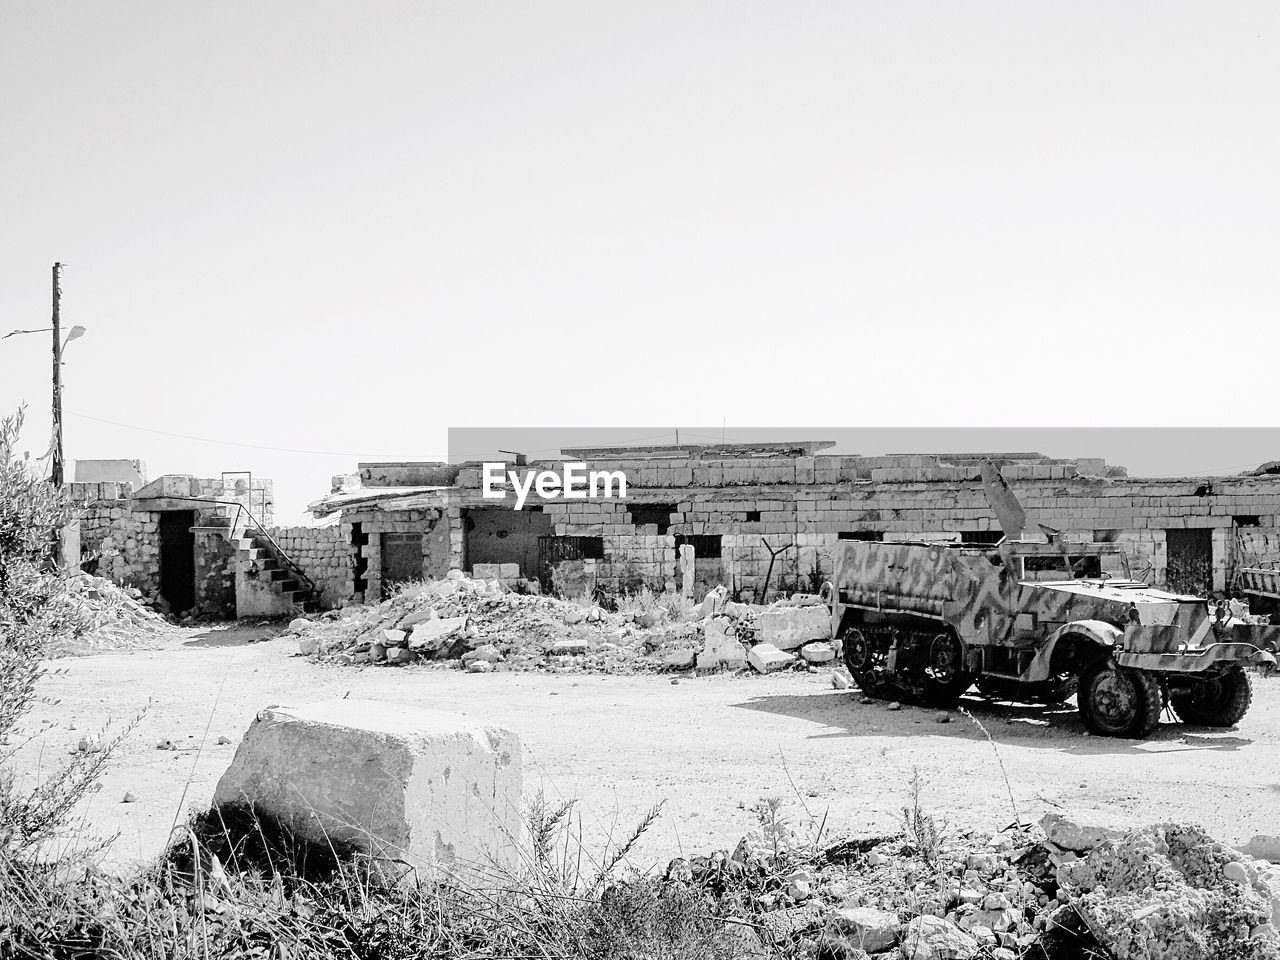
x=1061, y=567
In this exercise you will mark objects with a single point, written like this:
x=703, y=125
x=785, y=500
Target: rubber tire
x=1146, y=689
x=1233, y=702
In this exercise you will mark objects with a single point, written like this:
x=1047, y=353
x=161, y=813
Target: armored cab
x=1039, y=621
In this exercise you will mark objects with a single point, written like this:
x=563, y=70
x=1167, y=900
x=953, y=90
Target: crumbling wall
x=374, y=523
x=116, y=541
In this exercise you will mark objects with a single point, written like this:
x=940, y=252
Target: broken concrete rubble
x=788, y=627
x=721, y=648
x=767, y=658
x=1171, y=891
x=819, y=652
x=934, y=938
x=430, y=790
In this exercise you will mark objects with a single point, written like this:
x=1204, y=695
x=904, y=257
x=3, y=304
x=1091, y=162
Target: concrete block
x=438, y=791
x=721, y=648
x=819, y=651
x=790, y=627
x=767, y=658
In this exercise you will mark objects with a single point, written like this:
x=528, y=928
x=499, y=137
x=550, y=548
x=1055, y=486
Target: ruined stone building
x=753, y=514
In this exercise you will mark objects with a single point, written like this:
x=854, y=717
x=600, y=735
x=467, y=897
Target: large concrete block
x=434, y=790
x=790, y=627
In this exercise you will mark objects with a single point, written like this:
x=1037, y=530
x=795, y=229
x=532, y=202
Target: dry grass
x=676, y=606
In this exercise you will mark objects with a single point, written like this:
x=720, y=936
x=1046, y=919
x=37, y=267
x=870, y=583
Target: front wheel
x=1220, y=702
x=1116, y=701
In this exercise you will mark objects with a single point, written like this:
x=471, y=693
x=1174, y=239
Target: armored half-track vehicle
x=1039, y=620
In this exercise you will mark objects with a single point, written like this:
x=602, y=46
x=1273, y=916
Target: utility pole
x=56, y=471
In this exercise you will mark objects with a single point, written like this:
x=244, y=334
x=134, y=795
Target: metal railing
x=287, y=560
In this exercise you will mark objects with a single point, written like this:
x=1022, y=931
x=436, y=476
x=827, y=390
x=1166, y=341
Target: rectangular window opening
x=704, y=545
x=1247, y=520
x=866, y=536
x=658, y=514
x=980, y=538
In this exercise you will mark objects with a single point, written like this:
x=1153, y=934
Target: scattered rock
x=307, y=646
x=767, y=658
x=894, y=706
x=841, y=680
x=224, y=741
x=679, y=659
x=1075, y=833
x=936, y=938
x=942, y=718
x=863, y=927
x=820, y=651
x=479, y=666
x=398, y=655
x=129, y=797
x=790, y=627
x=298, y=624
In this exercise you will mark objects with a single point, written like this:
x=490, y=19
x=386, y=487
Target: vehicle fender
x=1095, y=631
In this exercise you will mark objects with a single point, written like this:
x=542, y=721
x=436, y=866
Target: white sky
x=347, y=227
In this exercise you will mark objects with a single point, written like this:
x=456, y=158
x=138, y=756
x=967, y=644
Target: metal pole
x=57, y=470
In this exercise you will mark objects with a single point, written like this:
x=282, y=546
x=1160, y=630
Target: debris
x=721, y=647
x=767, y=658
x=868, y=929
x=129, y=797
x=840, y=680
x=681, y=658
x=298, y=624
x=224, y=741
x=102, y=616
x=479, y=666
x=936, y=938
x=819, y=651
x=1166, y=891
x=788, y=627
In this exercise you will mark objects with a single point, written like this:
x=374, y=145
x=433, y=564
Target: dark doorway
x=401, y=559
x=178, y=559
x=502, y=535
x=1189, y=560
x=360, y=563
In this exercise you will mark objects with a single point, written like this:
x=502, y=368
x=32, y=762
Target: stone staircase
x=274, y=567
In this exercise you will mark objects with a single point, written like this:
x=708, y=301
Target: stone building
x=760, y=518
x=767, y=517
x=191, y=545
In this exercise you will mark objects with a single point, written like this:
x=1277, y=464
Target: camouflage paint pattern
x=985, y=596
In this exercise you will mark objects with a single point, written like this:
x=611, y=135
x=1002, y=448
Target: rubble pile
x=484, y=626
x=881, y=897
x=105, y=617
x=1168, y=891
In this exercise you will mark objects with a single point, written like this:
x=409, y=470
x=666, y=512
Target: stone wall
x=325, y=555
x=803, y=506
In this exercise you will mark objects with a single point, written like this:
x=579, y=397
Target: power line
x=233, y=443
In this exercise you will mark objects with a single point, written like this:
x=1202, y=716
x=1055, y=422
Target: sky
x=321, y=232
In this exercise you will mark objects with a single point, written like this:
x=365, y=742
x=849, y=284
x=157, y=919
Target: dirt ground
x=708, y=747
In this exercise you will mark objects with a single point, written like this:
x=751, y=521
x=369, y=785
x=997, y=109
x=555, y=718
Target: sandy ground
x=709, y=748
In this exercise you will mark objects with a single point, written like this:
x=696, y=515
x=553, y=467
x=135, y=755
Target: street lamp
x=75, y=333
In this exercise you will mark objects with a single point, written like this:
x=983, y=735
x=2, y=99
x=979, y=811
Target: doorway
x=178, y=559
x=1189, y=561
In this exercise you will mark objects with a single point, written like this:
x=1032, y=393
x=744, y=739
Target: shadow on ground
x=1025, y=725
x=236, y=633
